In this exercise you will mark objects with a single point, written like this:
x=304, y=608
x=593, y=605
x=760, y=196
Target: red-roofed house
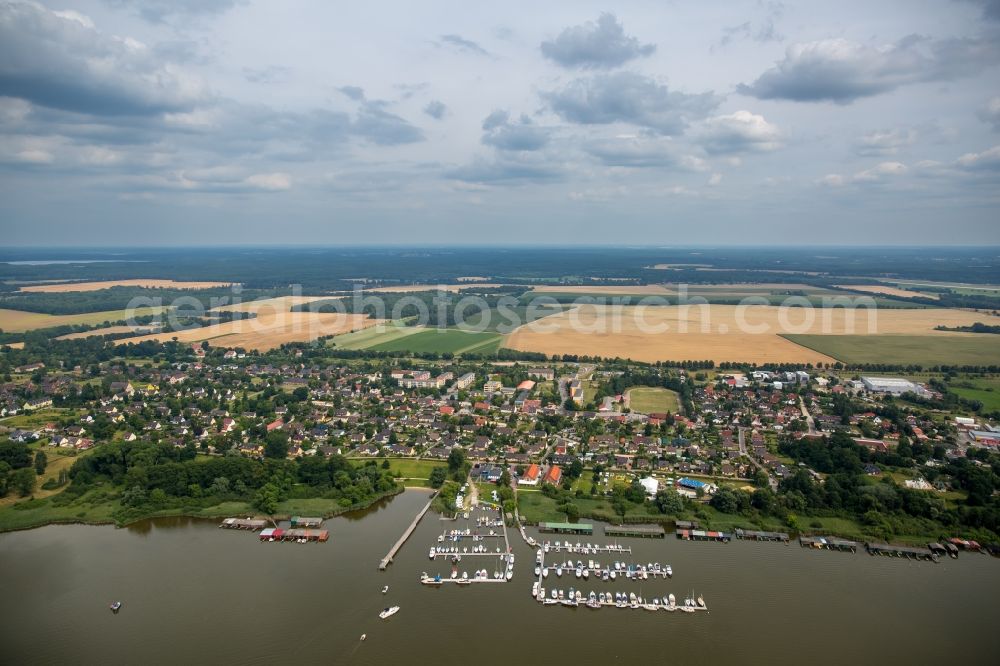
x=275, y=425
x=553, y=476
x=530, y=477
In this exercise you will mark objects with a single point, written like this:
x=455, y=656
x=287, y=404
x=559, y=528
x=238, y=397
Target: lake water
x=196, y=594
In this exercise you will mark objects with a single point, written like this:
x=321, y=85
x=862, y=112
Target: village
x=543, y=425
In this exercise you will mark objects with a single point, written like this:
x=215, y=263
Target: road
x=743, y=451
x=808, y=416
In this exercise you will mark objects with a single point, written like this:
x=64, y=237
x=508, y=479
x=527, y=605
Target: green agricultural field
x=986, y=391
x=443, y=341
x=649, y=400
x=925, y=350
x=369, y=337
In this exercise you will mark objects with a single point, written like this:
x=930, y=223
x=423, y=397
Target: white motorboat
x=385, y=589
x=389, y=612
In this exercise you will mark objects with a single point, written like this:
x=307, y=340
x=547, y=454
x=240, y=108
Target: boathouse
x=643, y=531
x=566, y=528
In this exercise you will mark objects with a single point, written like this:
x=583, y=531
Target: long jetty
x=387, y=560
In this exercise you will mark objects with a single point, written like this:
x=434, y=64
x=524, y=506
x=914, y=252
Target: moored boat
x=388, y=612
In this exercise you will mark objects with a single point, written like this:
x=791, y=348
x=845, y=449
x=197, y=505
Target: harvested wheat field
x=13, y=345
x=18, y=321
x=269, y=306
x=267, y=331
x=64, y=287
x=885, y=289
x=718, y=332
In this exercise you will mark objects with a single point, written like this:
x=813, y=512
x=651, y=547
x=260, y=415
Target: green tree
x=266, y=498
x=276, y=445
x=41, y=461
x=669, y=501
x=438, y=476
x=23, y=481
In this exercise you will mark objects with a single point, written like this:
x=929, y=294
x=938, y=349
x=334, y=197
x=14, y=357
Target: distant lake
x=197, y=594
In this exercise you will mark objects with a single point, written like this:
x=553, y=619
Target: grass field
x=649, y=400
x=18, y=321
x=726, y=332
x=64, y=287
x=927, y=350
x=985, y=390
x=443, y=341
x=405, y=468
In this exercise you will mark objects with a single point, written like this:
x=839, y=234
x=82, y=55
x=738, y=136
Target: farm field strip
x=373, y=335
x=886, y=290
x=714, y=331
x=927, y=350
x=19, y=321
x=65, y=287
x=439, y=341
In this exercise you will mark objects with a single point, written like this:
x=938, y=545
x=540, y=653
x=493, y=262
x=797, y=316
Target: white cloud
x=737, y=132
x=270, y=181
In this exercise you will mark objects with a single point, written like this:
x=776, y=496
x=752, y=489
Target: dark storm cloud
x=629, y=98
x=59, y=60
x=841, y=71
x=991, y=8
x=599, y=45
x=462, y=44
x=520, y=134
x=436, y=109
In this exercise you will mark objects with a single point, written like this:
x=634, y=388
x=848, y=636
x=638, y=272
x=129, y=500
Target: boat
x=545, y=572
x=510, y=574
x=586, y=574
x=364, y=636
x=670, y=572
x=385, y=589
x=559, y=571
x=701, y=602
x=671, y=600
x=465, y=575
x=388, y=612
x=550, y=602
x=579, y=573
x=538, y=571
x=613, y=575
x=534, y=589
x=555, y=594
x=116, y=606
x=436, y=580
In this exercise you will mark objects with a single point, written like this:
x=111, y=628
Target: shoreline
x=185, y=513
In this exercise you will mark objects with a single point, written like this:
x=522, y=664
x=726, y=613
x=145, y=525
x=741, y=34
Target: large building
x=891, y=385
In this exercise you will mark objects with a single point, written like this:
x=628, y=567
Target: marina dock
x=828, y=543
x=387, y=560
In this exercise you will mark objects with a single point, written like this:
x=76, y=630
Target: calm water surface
x=194, y=593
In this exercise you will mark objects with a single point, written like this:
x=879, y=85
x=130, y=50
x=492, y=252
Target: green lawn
x=648, y=400
x=443, y=341
x=906, y=349
x=405, y=468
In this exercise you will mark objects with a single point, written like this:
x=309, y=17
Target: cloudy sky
x=133, y=122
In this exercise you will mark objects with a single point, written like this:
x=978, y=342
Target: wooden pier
x=406, y=535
